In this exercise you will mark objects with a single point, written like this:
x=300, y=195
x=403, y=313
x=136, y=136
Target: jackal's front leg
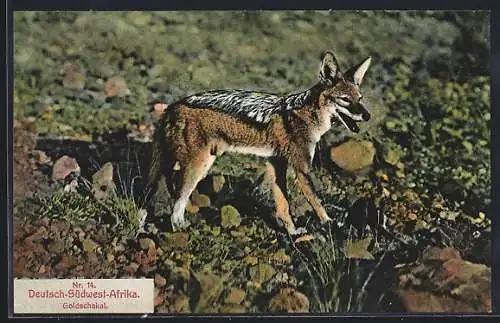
x=306, y=187
x=276, y=172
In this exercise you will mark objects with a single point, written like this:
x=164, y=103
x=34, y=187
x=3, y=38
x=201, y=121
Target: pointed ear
x=357, y=72
x=328, y=69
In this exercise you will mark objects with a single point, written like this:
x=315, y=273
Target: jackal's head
x=340, y=94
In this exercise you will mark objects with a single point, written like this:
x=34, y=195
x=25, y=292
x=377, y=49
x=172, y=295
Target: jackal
x=193, y=131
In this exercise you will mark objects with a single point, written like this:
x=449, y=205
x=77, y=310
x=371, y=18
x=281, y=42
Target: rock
x=160, y=281
x=211, y=287
x=218, y=182
x=91, y=258
x=261, y=273
x=159, y=108
x=280, y=257
x=132, y=268
x=175, y=240
x=422, y=302
x=121, y=259
x=90, y=245
x=120, y=247
x=41, y=158
x=66, y=262
x=442, y=255
x=442, y=281
x=353, y=155
x=251, y=260
x=359, y=249
x=102, y=182
x=230, y=217
x=97, y=95
x=63, y=167
x=116, y=86
x=146, y=243
x=289, y=300
x=147, y=260
x=191, y=208
x=158, y=300
x=203, y=200
x=393, y=155
x=74, y=78
x=412, y=216
x=42, y=269
x=200, y=200
x=71, y=187
x=236, y=296
x=56, y=246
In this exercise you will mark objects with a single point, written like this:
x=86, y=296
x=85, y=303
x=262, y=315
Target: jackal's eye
x=344, y=100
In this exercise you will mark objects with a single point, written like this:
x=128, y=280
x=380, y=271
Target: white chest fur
x=257, y=151
x=324, y=124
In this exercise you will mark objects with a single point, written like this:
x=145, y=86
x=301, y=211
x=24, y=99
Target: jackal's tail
x=154, y=168
x=158, y=157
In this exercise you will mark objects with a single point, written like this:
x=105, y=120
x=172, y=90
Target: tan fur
x=200, y=129
x=194, y=137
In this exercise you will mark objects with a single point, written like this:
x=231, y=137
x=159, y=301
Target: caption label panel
x=83, y=296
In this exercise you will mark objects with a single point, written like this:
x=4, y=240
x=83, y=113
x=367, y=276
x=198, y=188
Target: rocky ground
x=410, y=193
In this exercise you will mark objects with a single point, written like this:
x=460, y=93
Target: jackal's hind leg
x=191, y=174
x=276, y=172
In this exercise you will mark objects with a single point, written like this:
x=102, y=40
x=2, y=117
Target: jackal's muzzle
x=352, y=115
x=365, y=114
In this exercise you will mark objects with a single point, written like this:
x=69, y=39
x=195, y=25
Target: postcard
x=251, y=162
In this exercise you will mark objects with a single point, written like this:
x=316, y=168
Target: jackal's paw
x=297, y=231
x=178, y=224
